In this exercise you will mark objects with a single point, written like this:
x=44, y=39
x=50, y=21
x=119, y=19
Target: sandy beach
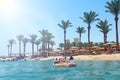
x=98, y=57
x=87, y=57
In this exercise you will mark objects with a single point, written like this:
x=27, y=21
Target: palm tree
x=49, y=37
x=64, y=25
x=80, y=30
x=32, y=40
x=11, y=42
x=104, y=28
x=113, y=7
x=52, y=43
x=8, y=50
x=43, y=39
x=37, y=42
x=25, y=40
x=20, y=37
x=89, y=17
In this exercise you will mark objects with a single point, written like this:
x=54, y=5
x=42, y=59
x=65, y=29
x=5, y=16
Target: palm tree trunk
x=89, y=37
x=117, y=41
x=11, y=50
x=105, y=40
x=48, y=49
x=80, y=41
x=8, y=51
x=24, y=49
x=32, y=49
x=19, y=48
x=43, y=44
x=65, y=42
x=37, y=47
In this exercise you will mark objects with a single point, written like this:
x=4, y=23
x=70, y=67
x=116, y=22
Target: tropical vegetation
x=104, y=28
x=20, y=37
x=32, y=40
x=113, y=7
x=64, y=25
x=11, y=42
x=45, y=40
x=80, y=31
x=89, y=17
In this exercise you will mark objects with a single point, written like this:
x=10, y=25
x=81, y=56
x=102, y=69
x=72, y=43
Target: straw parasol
x=105, y=44
x=56, y=50
x=74, y=48
x=82, y=51
x=95, y=47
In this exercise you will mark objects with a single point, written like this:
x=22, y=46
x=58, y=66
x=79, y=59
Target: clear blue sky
x=29, y=16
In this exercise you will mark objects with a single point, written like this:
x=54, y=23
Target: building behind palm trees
x=76, y=40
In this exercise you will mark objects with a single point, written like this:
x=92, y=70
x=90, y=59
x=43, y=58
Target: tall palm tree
x=32, y=40
x=113, y=7
x=20, y=37
x=8, y=50
x=52, y=43
x=11, y=42
x=37, y=42
x=80, y=30
x=25, y=40
x=43, y=39
x=104, y=28
x=89, y=17
x=49, y=37
x=64, y=25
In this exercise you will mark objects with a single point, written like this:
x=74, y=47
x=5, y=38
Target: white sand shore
x=98, y=57
x=88, y=57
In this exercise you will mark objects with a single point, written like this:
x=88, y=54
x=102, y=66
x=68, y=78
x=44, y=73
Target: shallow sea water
x=44, y=70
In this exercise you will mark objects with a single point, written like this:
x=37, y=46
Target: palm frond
x=65, y=24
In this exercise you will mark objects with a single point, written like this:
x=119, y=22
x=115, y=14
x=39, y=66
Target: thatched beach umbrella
x=56, y=50
x=95, y=47
x=82, y=51
x=105, y=44
x=113, y=45
x=74, y=48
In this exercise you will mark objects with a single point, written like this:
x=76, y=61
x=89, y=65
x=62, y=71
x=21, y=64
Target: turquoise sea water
x=44, y=70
